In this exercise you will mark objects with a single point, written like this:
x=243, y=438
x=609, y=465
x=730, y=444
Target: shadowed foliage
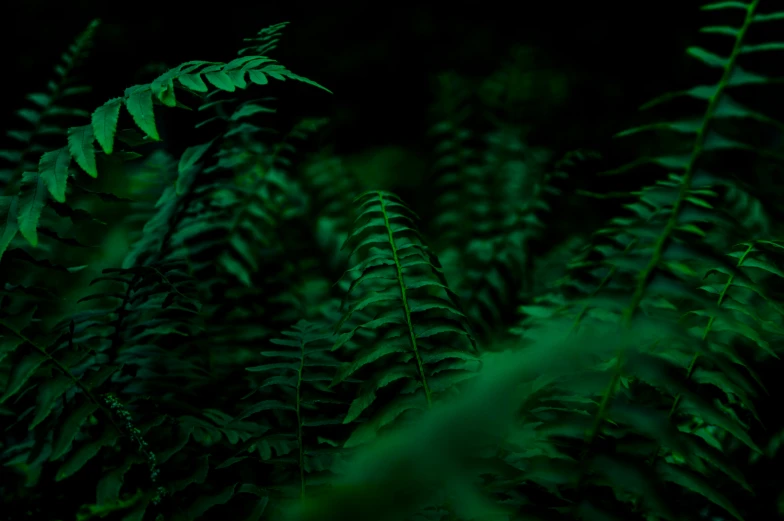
x=253, y=328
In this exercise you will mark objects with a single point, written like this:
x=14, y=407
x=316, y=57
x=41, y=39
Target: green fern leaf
x=763, y=47
x=163, y=89
x=732, y=4
x=53, y=169
x=48, y=393
x=221, y=80
x=80, y=144
x=138, y=101
x=104, y=121
x=108, y=490
x=696, y=483
x=9, y=207
x=70, y=427
x=258, y=77
x=78, y=458
x=266, y=39
x=721, y=29
x=769, y=17
x=291, y=75
x=189, y=158
x=31, y=203
x=193, y=82
x=23, y=370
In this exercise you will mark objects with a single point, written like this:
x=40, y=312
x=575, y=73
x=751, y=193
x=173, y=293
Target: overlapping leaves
x=415, y=313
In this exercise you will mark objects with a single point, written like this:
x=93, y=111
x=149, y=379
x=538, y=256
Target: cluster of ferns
x=278, y=342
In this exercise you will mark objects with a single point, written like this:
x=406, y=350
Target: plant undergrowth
x=244, y=331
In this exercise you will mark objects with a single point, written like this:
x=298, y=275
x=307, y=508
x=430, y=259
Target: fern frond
x=51, y=107
x=493, y=214
x=661, y=253
x=402, y=281
x=266, y=40
x=293, y=382
x=148, y=304
x=333, y=188
x=138, y=101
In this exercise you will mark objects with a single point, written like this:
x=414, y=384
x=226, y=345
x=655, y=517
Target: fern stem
x=658, y=251
x=67, y=372
x=705, y=332
x=404, y=298
x=685, y=187
x=299, y=422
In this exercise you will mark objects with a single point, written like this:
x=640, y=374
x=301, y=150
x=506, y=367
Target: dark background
x=379, y=58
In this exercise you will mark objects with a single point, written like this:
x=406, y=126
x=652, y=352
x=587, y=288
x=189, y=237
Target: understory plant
x=242, y=331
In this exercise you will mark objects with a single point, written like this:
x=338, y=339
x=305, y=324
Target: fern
x=151, y=380
x=401, y=279
x=90, y=348
x=51, y=107
x=53, y=167
x=294, y=380
x=656, y=252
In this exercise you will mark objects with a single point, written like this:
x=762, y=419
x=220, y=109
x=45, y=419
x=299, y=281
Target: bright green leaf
x=104, y=122
x=139, y=105
x=80, y=144
x=53, y=169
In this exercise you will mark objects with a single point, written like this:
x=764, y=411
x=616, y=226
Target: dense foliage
x=247, y=330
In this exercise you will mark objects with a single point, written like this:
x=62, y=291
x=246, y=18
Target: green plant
x=223, y=368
